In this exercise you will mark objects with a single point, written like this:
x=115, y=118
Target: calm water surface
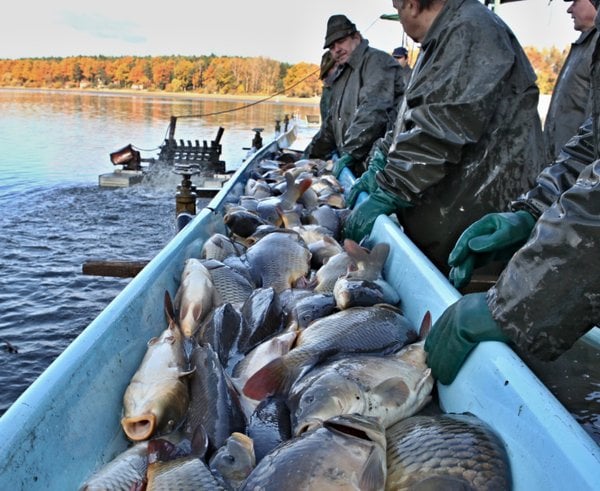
x=54, y=216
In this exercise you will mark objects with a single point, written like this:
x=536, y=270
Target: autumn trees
x=202, y=74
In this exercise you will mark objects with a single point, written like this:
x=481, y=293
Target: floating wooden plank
x=119, y=269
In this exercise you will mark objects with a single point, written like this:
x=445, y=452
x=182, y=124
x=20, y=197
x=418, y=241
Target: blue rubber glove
x=361, y=219
x=457, y=332
x=367, y=181
x=495, y=237
x=341, y=163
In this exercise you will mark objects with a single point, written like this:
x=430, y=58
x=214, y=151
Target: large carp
x=195, y=296
x=386, y=388
x=346, y=453
x=378, y=329
x=278, y=260
x=446, y=451
x=156, y=398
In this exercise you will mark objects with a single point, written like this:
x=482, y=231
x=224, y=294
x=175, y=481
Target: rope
x=245, y=106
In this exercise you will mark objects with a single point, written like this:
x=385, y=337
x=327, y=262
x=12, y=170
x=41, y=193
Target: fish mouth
x=308, y=425
x=140, y=427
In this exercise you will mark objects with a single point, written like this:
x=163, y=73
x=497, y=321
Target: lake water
x=54, y=217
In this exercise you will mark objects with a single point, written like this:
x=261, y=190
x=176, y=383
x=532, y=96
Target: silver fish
x=156, y=398
x=336, y=267
x=378, y=329
x=386, y=388
x=346, y=453
x=364, y=283
x=214, y=403
x=230, y=285
x=124, y=471
x=187, y=473
x=219, y=247
x=235, y=460
x=195, y=296
x=279, y=260
x=446, y=451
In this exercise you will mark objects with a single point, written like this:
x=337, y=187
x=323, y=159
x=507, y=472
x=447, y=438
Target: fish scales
x=121, y=473
x=213, y=401
x=448, y=451
x=348, y=453
x=387, y=388
x=182, y=474
x=279, y=259
x=378, y=329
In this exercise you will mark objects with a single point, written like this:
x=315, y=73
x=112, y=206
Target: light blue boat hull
x=67, y=423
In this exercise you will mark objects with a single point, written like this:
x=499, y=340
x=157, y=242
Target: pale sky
x=278, y=29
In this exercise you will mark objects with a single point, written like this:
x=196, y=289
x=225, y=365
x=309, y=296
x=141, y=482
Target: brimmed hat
x=400, y=52
x=338, y=27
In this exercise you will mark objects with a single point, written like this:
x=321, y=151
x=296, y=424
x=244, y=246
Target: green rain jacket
x=548, y=295
x=571, y=102
x=363, y=103
x=468, y=138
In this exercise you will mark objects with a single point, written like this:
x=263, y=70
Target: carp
x=386, y=388
x=195, y=296
x=446, y=451
x=347, y=452
x=157, y=398
x=378, y=329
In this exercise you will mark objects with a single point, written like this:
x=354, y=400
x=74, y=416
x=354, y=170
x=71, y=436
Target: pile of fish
x=287, y=363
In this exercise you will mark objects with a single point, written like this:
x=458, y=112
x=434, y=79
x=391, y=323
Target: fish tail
x=273, y=378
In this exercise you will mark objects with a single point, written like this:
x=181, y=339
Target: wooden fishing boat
x=66, y=424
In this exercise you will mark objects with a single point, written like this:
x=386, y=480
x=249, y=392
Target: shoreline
x=312, y=101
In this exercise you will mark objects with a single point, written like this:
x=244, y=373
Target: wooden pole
x=119, y=269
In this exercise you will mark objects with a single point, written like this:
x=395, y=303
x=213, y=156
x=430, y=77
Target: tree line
x=203, y=74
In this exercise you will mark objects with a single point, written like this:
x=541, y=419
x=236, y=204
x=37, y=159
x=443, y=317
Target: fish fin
x=357, y=253
x=273, y=378
x=378, y=256
x=169, y=310
x=425, y=326
x=199, y=441
x=393, y=389
x=304, y=185
x=374, y=473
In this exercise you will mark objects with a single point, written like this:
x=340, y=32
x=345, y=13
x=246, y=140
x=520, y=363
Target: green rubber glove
x=341, y=163
x=367, y=181
x=496, y=236
x=361, y=219
x=454, y=335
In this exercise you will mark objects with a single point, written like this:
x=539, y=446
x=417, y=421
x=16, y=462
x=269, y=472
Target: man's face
x=407, y=13
x=343, y=48
x=583, y=13
x=403, y=60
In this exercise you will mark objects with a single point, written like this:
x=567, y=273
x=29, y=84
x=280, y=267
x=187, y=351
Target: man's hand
x=496, y=236
x=457, y=332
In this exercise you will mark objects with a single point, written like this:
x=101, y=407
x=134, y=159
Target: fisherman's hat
x=338, y=27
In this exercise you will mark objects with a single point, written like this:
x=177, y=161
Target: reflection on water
x=54, y=217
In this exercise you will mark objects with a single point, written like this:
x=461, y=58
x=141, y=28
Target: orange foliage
x=205, y=74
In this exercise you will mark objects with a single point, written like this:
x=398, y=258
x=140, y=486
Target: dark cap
x=400, y=52
x=338, y=27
